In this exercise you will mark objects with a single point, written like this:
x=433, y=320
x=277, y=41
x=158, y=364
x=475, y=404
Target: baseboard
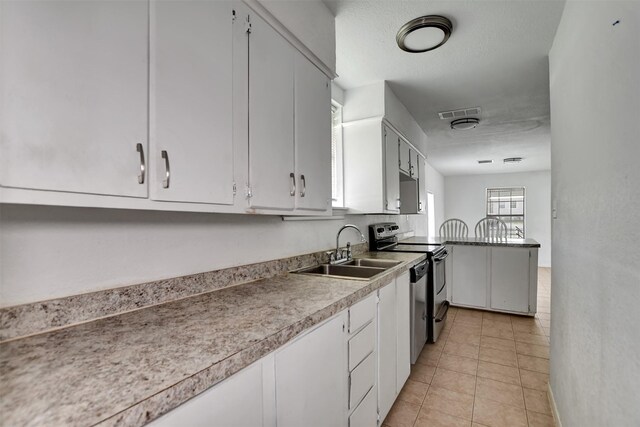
x=554, y=408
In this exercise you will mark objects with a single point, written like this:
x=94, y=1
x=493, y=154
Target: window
x=337, y=186
x=507, y=204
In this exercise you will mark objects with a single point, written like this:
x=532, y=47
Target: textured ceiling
x=496, y=59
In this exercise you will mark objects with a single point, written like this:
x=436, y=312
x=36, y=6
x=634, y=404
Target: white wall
x=467, y=197
x=595, y=148
x=378, y=100
x=48, y=252
x=435, y=185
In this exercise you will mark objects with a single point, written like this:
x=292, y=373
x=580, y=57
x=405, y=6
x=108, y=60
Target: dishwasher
x=418, y=275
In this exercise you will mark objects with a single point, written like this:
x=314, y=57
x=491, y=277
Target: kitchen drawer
x=366, y=414
x=361, y=380
x=362, y=312
x=361, y=345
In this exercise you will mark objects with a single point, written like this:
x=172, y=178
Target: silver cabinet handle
x=419, y=206
x=167, y=179
x=399, y=203
x=304, y=186
x=292, y=191
x=143, y=166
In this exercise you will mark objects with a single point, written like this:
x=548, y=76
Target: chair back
x=454, y=227
x=492, y=228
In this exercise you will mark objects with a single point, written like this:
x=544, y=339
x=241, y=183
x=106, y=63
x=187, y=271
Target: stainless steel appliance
x=383, y=237
x=418, y=275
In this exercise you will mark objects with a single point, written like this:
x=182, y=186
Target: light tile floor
x=487, y=369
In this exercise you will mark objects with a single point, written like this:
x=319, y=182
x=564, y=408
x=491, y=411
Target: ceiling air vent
x=512, y=160
x=457, y=114
x=485, y=161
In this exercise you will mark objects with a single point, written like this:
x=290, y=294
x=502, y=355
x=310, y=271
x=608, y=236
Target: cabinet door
x=391, y=176
x=405, y=157
x=421, y=165
x=271, y=145
x=236, y=402
x=387, y=349
x=73, y=96
x=510, y=279
x=312, y=136
x=470, y=275
x=311, y=377
x=191, y=101
x=403, y=351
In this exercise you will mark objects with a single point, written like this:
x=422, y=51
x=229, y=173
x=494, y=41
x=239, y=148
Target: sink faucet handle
x=348, y=250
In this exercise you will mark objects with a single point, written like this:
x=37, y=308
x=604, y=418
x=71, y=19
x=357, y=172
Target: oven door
x=440, y=303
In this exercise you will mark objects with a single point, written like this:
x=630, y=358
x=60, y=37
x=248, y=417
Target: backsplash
x=29, y=319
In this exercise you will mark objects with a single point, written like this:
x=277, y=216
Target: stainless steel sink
x=378, y=263
x=343, y=271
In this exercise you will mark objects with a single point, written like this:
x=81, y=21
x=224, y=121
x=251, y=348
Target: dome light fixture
x=465, y=124
x=424, y=34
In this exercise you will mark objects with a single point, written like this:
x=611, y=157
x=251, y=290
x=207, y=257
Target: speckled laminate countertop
x=133, y=367
x=473, y=241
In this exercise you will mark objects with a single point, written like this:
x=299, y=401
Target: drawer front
x=362, y=345
x=361, y=380
x=362, y=313
x=366, y=414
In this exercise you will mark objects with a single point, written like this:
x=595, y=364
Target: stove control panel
x=383, y=230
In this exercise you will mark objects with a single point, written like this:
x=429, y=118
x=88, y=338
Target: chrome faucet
x=337, y=255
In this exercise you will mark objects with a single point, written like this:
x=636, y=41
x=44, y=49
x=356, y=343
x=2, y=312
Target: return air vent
x=512, y=160
x=485, y=161
x=457, y=114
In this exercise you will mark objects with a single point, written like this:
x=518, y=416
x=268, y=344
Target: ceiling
x=496, y=59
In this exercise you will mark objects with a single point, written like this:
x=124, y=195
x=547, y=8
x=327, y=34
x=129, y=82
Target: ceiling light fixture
x=464, y=124
x=424, y=34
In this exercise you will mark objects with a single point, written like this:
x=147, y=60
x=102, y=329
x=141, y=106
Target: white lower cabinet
x=470, y=276
x=310, y=378
x=366, y=414
x=510, y=279
x=387, y=353
x=235, y=402
x=345, y=372
x=403, y=325
x=494, y=278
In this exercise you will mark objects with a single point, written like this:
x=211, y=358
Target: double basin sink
x=358, y=269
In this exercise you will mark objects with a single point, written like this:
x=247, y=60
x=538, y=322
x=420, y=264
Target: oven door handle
x=445, y=254
x=445, y=308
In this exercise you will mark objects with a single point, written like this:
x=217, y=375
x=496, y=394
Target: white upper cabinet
x=421, y=165
x=272, y=177
x=391, y=175
x=191, y=131
x=371, y=175
x=312, y=136
x=405, y=153
x=74, y=96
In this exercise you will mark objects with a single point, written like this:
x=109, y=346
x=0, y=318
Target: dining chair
x=492, y=228
x=454, y=227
